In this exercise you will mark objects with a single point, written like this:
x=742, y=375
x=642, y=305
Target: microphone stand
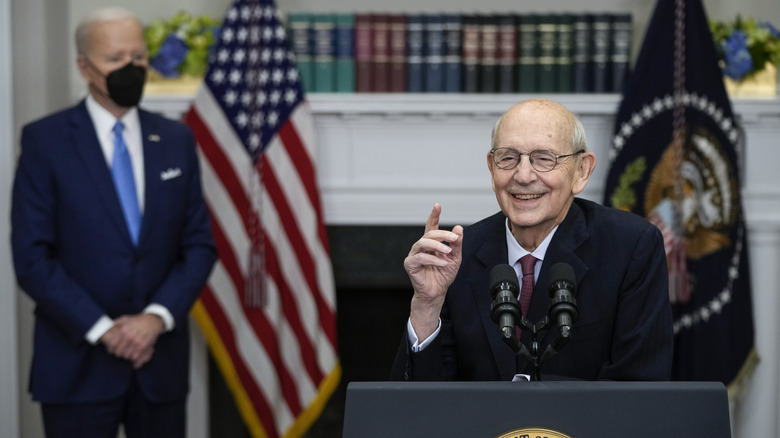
x=531, y=356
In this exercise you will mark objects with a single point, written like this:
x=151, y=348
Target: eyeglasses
x=541, y=161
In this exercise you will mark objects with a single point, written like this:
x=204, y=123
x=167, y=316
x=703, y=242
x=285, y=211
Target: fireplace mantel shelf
x=385, y=159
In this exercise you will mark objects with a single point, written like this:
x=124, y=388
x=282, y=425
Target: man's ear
x=84, y=67
x=583, y=171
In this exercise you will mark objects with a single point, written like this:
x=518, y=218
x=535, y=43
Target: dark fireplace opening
x=372, y=299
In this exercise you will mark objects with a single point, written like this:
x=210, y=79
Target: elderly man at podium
x=538, y=162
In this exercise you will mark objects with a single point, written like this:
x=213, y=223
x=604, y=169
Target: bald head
x=556, y=117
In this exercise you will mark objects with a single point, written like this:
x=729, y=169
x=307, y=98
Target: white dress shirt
x=514, y=253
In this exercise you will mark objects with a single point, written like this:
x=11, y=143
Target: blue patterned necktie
x=124, y=181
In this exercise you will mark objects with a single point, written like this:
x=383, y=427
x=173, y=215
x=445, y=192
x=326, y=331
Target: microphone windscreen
x=562, y=272
x=503, y=274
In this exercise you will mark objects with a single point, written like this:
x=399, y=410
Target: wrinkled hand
x=432, y=265
x=133, y=337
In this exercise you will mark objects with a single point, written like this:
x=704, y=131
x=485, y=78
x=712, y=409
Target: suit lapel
x=571, y=234
x=492, y=252
x=151, y=139
x=88, y=147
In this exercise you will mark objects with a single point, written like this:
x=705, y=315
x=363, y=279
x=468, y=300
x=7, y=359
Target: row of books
x=462, y=53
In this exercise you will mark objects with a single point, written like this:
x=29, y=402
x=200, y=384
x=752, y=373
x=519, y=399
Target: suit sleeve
x=34, y=232
x=197, y=251
x=642, y=341
x=436, y=362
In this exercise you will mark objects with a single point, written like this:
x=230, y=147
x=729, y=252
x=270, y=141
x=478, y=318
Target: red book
x=471, y=53
x=380, y=34
x=364, y=49
x=507, y=53
x=398, y=53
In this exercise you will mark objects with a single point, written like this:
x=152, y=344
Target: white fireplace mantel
x=385, y=159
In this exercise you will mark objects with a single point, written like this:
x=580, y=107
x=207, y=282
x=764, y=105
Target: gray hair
x=578, y=140
x=112, y=13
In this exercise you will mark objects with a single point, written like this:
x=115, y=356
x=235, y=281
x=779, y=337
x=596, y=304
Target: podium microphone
x=504, y=290
x=563, y=305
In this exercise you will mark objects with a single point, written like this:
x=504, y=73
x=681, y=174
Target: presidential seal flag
x=269, y=309
x=675, y=159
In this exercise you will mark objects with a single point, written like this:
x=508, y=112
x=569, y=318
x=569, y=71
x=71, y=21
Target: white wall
x=9, y=410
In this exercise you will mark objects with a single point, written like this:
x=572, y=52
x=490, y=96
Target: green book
x=566, y=53
x=547, y=66
x=345, y=53
x=528, y=57
x=299, y=25
x=324, y=53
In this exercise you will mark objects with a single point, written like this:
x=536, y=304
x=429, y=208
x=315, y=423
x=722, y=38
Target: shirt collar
x=104, y=121
x=515, y=251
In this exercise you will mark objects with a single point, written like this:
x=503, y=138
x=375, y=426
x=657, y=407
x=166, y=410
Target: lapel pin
x=154, y=137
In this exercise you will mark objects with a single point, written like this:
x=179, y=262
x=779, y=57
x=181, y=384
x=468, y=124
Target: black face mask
x=126, y=85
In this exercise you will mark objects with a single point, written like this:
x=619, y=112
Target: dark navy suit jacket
x=624, y=328
x=73, y=254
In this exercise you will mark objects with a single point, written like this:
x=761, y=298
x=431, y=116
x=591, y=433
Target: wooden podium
x=537, y=409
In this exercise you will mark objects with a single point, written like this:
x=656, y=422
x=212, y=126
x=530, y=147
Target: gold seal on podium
x=533, y=432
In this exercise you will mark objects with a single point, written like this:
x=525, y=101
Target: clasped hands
x=432, y=265
x=133, y=337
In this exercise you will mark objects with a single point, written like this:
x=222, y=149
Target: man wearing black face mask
x=111, y=238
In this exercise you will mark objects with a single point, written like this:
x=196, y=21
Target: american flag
x=269, y=310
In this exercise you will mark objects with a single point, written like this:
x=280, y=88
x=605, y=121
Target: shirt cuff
x=414, y=341
x=103, y=324
x=162, y=312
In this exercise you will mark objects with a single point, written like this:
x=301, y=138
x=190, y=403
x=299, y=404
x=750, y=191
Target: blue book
x=453, y=57
x=621, y=50
x=601, y=38
x=582, y=56
x=433, y=48
x=414, y=39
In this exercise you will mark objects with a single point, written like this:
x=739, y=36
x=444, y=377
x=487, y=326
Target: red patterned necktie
x=527, y=264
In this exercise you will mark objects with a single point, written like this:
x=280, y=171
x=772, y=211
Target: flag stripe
x=305, y=168
x=270, y=181
x=231, y=364
x=255, y=325
x=307, y=219
x=303, y=127
x=290, y=309
x=270, y=310
x=226, y=173
x=229, y=260
x=294, y=278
